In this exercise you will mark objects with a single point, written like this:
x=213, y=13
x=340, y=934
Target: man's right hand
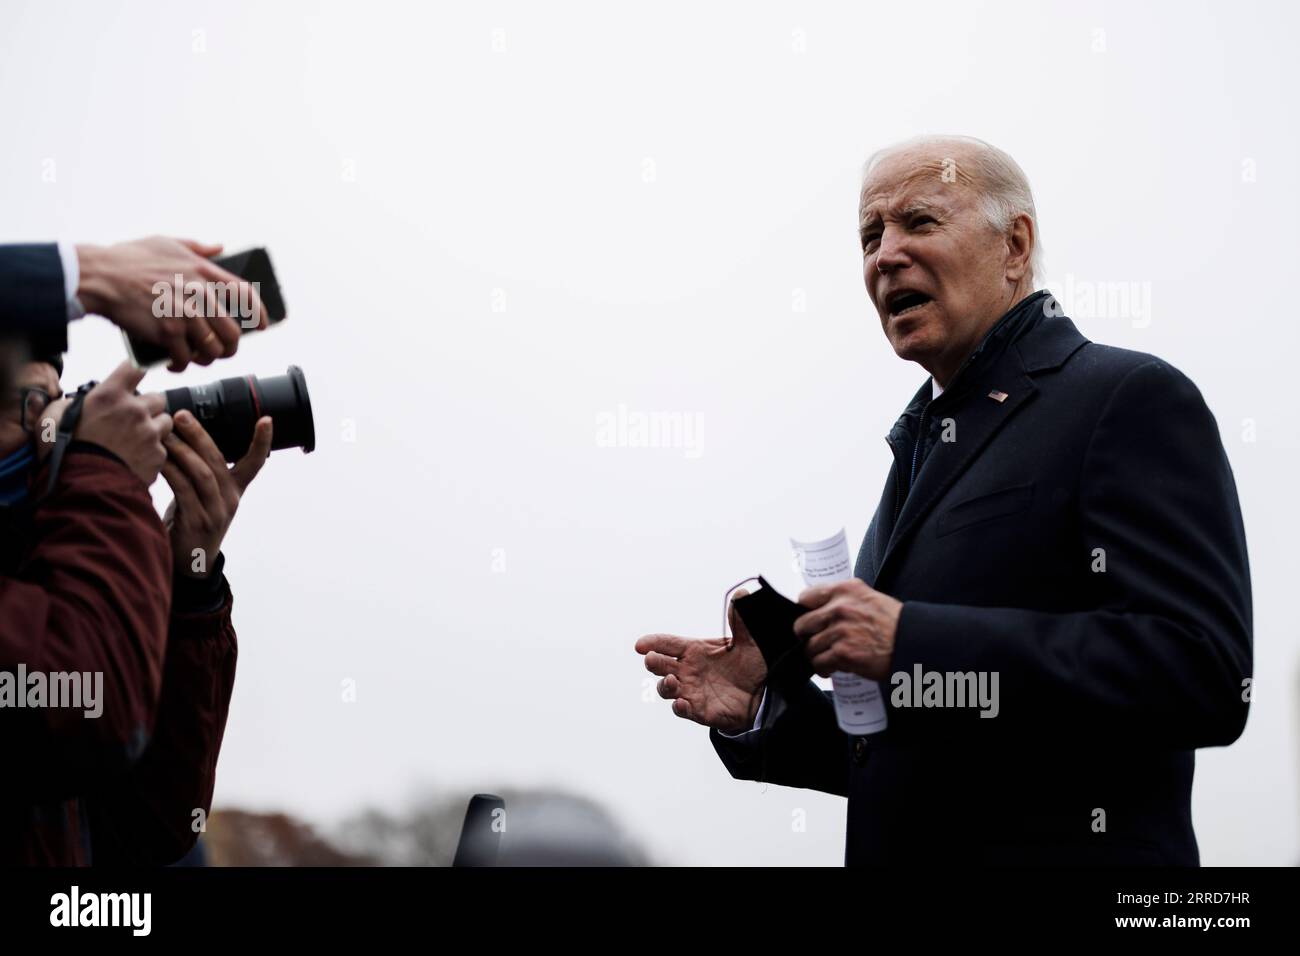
x=707, y=681
x=118, y=283
x=131, y=426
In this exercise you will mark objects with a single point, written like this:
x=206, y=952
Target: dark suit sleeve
x=1162, y=654
x=148, y=817
x=33, y=302
x=799, y=743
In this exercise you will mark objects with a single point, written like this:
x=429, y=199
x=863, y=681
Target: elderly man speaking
x=1060, y=521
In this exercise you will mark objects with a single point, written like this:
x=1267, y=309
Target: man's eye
x=869, y=239
x=922, y=220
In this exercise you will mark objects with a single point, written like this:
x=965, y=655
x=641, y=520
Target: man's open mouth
x=905, y=300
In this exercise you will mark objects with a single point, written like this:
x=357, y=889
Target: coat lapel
x=1001, y=392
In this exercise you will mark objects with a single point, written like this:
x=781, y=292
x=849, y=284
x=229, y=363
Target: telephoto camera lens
x=229, y=409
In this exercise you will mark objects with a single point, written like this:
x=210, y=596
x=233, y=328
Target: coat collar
x=1051, y=341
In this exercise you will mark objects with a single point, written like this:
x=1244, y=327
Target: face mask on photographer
x=36, y=385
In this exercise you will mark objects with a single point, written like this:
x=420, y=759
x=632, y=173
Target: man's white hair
x=1002, y=184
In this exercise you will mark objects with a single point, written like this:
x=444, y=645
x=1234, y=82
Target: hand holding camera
x=207, y=492
x=114, y=417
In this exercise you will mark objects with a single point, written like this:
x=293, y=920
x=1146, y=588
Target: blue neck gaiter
x=15, y=471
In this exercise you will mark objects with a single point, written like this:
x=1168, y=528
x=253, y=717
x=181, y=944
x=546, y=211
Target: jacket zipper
x=911, y=475
x=916, y=449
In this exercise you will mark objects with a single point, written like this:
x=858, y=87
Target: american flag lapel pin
x=998, y=396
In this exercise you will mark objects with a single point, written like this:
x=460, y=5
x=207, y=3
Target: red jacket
x=94, y=594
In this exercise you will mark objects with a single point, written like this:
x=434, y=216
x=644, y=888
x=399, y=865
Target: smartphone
x=252, y=265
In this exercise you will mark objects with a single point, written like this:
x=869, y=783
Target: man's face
x=31, y=375
x=934, y=268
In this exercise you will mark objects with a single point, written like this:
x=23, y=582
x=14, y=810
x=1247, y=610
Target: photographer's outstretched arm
x=43, y=285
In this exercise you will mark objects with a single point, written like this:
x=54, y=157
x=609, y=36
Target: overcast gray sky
x=496, y=223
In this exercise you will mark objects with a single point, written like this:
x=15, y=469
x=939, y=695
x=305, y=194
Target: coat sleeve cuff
x=32, y=299
x=206, y=595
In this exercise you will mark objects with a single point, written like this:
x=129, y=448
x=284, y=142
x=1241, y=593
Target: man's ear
x=1020, y=246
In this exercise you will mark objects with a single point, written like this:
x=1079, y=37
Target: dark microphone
x=480, y=838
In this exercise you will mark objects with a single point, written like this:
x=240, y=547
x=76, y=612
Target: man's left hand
x=207, y=490
x=850, y=628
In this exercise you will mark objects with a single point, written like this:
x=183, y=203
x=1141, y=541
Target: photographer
x=96, y=584
x=44, y=285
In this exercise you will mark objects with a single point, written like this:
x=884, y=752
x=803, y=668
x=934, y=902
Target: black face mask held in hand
x=769, y=617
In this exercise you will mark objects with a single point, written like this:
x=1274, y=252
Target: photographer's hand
x=118, y=282
x=114, y=417
x=207, y=490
